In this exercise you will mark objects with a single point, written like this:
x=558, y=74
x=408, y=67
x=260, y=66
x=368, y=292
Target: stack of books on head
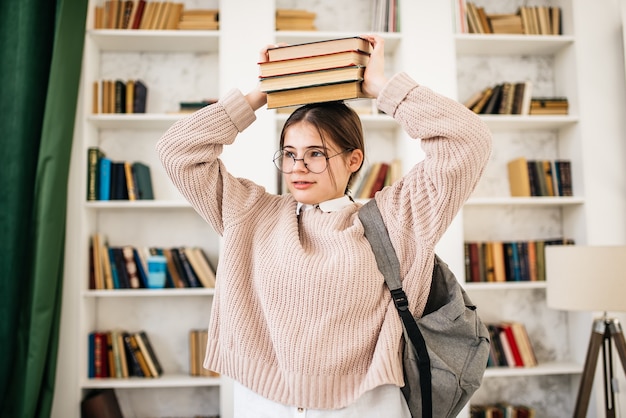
x=315, y=72
x=293, y=19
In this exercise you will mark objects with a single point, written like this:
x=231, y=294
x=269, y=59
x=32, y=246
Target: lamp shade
x=586, y=278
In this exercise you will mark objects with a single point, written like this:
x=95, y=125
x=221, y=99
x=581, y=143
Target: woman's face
x=312, y=188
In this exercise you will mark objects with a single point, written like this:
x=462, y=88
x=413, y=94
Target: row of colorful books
x=122, y=354
x=529, y=178
x=501, y=410
x=119, y=96
x=527, y=20
x=507, y=261
x=510, y=346
x=314, y=72
x=116, y=180
x=126, y=267
x=153, y=15
x=375, y=177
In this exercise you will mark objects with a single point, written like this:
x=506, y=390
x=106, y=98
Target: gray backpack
x=446, y=349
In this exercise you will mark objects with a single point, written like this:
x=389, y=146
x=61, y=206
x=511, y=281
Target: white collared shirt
x=327, y=206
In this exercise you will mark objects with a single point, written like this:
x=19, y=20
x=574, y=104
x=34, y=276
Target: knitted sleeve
x=420, y=207
x=189, y=152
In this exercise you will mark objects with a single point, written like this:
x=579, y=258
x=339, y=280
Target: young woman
x=301, y=318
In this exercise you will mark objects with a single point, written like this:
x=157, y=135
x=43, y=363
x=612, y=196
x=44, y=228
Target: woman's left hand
x=374, y=78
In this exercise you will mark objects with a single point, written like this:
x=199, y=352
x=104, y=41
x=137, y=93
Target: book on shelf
x=507, y=261
x=198, y=19
x=149, y=354
x=198, y=339
x=506, y=98
x=509, y=23
x=501, y=410
x=313, y=63
x=385, y=16
x=549, y=106
x=511, y=345
x=527, y=20
x=315, y=94
x=116, y=180
x=152, y=15
x=295, y=19
x=122, y=354
x=94, y=155
x=536, y=178
x=378, y=175
x=119, y=96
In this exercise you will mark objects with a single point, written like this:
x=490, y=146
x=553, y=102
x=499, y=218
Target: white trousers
x=382, y=402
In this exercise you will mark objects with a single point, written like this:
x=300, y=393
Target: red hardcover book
x=508, y=330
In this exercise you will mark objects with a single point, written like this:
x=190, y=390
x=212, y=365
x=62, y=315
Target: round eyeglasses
x=315, y=160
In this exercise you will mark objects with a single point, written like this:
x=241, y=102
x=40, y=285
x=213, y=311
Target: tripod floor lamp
x=586, y=278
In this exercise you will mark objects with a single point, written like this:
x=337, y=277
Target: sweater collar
x=332, y=205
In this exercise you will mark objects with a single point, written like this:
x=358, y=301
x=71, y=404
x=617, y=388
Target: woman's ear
x=355, y=160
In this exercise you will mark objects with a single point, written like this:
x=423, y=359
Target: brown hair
x=333, y=120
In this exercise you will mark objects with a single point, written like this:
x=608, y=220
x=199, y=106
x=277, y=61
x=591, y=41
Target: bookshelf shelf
x=546, y=369
x=165, y=381
x=138, y=204
x=525, y=201
x=488, y=287
x=155, y=40
x=148, y=293
x=476, y=44
x=154, y=121
x=528, y=123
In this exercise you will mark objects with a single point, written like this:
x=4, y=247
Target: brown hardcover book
x=311, y=49
x=194, y=366
x=130, y=182
x=145, y=370
x=315, y=94
x=312, y=78
x=379, y=182
x=201, y=267
x=314, y=63
x=499, y=267
x=547, y=170
x=480, y=105
x=519, y=182
x=508, y=23
x=171, y=268
x=149, y=354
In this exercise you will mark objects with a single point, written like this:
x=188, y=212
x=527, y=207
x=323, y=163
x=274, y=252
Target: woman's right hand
x=256, y=98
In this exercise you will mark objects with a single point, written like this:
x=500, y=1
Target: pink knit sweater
x=301, y=314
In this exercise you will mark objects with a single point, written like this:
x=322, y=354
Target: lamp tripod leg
x=591, y=361
x=620, y=343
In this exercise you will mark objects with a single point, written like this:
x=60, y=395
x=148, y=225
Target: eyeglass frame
x=279, y=154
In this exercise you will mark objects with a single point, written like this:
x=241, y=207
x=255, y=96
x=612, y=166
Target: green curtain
x=41, y=43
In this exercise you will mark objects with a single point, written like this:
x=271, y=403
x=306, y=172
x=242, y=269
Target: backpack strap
x=388, y=264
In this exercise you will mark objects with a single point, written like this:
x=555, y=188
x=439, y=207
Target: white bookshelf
x=432, y=53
